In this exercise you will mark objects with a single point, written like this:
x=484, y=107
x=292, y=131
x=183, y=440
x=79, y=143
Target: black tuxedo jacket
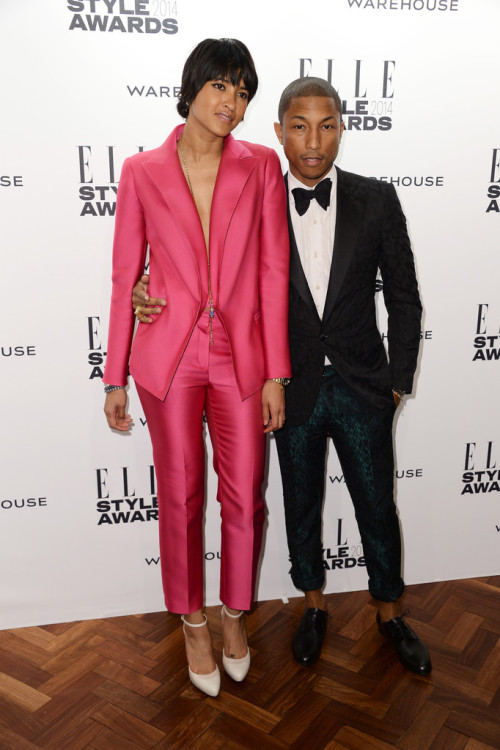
x=370, y=234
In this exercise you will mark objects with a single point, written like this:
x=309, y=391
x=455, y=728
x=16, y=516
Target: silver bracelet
x=109, y=388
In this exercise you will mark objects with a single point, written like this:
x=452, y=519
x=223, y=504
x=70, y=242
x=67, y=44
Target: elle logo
x=99, y=169
x=486, y=343
x=481, y=474
x=494, y=188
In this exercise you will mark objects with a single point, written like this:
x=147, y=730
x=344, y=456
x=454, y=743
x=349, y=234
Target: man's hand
x=143, y=304
x=273, y=405
x=114, y=408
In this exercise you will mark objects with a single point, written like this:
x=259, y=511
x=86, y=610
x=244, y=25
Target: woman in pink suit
x=213, y=212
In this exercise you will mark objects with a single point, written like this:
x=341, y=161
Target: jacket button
x=323, y=337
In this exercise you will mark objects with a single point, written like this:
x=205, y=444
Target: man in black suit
x=343, y=228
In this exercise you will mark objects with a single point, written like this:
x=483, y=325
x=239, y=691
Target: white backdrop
x=84, y=83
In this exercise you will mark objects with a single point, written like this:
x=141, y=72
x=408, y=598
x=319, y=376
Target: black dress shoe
x=308, y=638
x=412, y=652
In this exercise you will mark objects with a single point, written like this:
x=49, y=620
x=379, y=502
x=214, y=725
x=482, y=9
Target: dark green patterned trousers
x=362, y=436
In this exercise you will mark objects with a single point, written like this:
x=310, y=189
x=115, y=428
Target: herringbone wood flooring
x=122, y=684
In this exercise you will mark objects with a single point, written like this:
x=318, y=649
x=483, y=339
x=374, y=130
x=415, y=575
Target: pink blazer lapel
x=236, y=166
x=166, y=174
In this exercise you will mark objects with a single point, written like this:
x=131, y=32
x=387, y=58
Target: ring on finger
x=137, y=311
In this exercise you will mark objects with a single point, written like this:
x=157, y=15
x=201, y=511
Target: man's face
x=310, y=135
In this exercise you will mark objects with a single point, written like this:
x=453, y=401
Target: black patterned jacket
x=370, y=234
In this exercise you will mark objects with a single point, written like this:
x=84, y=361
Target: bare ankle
x=388, y=610
x=234, y=632
x=315, y=599
x=198, y=644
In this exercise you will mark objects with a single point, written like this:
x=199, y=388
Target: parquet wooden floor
x=122, y=683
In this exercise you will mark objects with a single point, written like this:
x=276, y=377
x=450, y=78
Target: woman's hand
x=273, y=405
x=114, y=408
x=143, y=304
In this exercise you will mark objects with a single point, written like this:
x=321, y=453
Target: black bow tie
x=321, y=192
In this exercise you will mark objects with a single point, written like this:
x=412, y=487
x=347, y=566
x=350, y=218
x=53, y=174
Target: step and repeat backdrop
x=86, y=83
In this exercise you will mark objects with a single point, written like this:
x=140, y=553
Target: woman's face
x=219, y=106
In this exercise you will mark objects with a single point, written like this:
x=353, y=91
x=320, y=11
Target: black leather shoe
x=308, y=638
x=412, y=652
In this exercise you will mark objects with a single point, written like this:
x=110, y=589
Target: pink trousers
x=205, y=382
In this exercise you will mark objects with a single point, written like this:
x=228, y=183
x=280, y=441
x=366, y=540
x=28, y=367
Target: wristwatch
x=109, y=388
x=399, y=393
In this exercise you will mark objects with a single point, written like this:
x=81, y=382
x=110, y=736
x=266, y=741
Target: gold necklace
x=210, y=299
x=186, y=170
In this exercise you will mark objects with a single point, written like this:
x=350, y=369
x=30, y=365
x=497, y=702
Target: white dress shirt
x=314, y=233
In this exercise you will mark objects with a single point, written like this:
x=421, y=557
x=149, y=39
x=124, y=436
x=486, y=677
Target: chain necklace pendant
x=210, y=300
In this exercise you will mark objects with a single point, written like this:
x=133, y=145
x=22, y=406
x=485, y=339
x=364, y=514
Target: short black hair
x=212, y=59
x=308, y=86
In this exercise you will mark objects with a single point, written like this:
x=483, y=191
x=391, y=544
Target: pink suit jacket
x=249, y=259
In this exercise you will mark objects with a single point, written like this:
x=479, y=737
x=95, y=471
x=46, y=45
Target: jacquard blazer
x=249, y=260
x=370, y=234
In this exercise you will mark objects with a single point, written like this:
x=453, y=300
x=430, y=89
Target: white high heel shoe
x=237, y=669
x=207, y=683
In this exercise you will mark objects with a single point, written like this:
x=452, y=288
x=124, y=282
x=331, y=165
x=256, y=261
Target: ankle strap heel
x=237, y=669
x=195, y=624
x=207, y=683
x=233, y=617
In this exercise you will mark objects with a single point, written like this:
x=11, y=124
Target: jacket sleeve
x=274, y=272
x=129, y=255
x=401, y=295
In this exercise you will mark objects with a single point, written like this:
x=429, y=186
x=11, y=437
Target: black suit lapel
x=350, y=213
x=297, y=275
